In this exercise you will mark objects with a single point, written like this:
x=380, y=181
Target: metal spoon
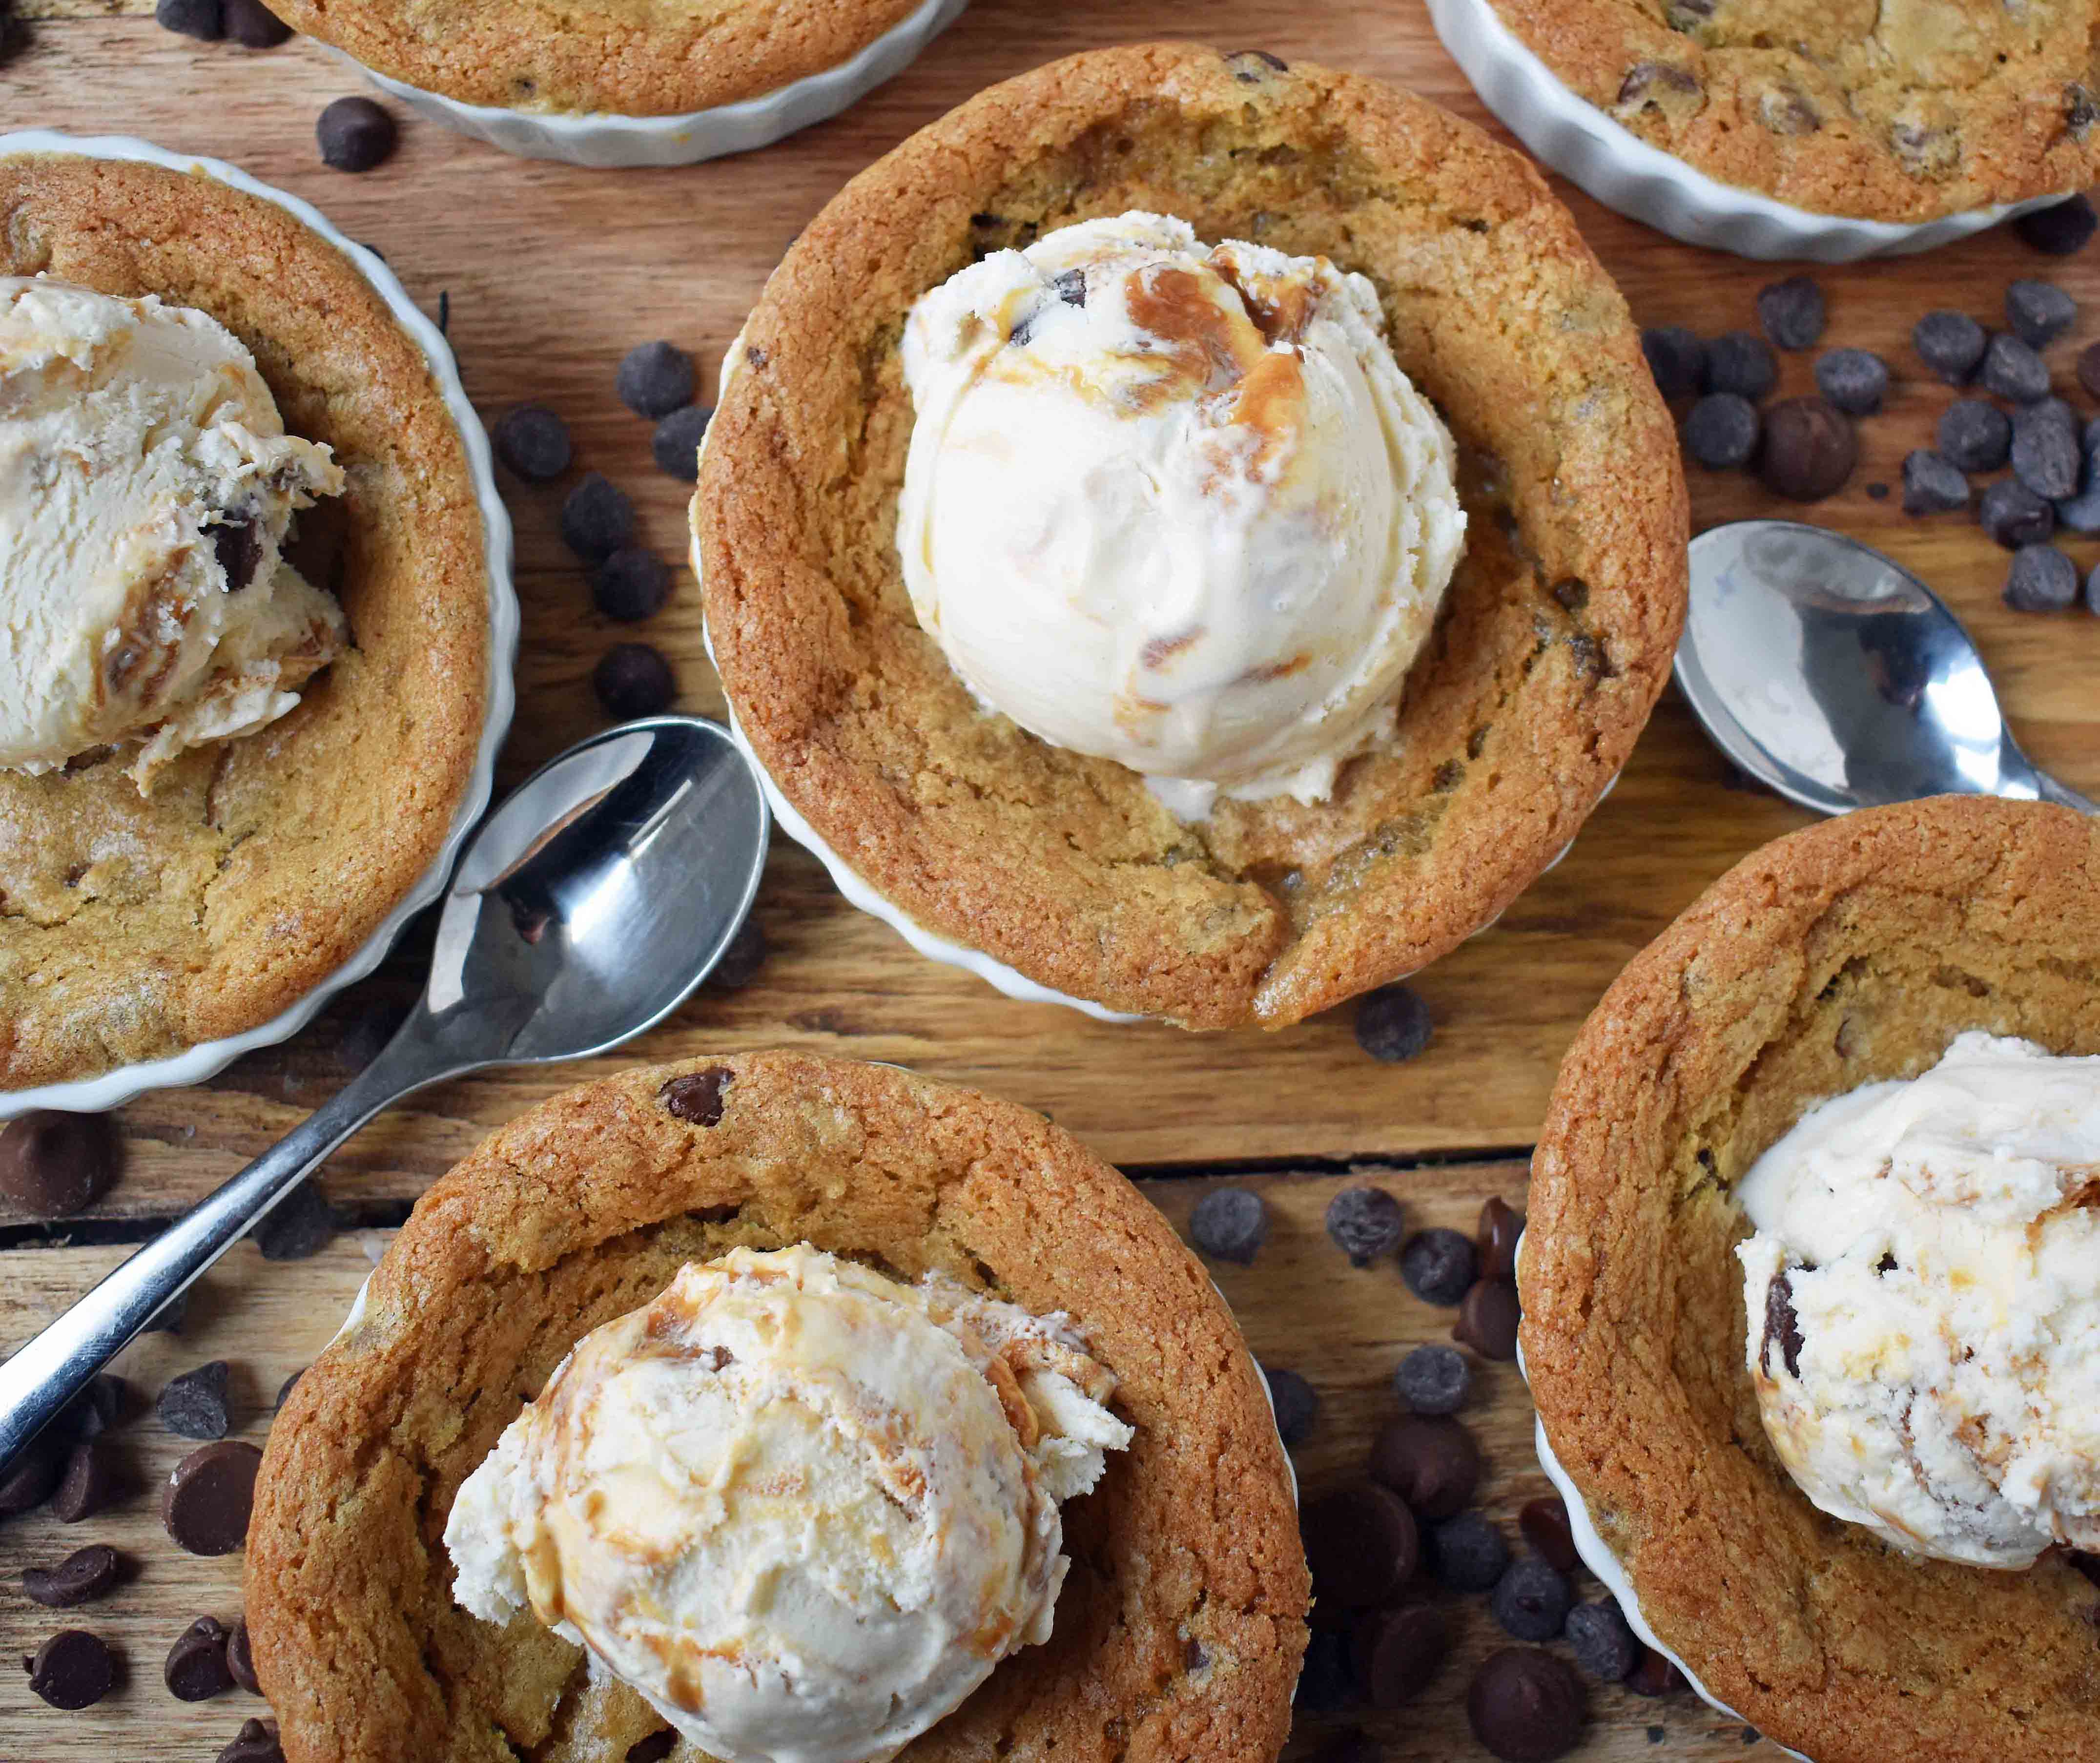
x=1833, y=674
x=585, y=911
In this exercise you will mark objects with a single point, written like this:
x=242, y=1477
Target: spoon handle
x=40, y=1379
x=2049, y=790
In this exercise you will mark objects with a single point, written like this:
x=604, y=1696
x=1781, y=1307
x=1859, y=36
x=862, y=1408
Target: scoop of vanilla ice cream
x=802, y=1508
x=1173, y=506
x=146, y=485
x=1924, y=1298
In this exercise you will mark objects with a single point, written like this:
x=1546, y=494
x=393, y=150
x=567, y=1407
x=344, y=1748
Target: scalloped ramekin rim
x=193, y=1065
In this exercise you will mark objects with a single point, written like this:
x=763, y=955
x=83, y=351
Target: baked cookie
x=1180, y=1629
x=1900, y=113
x=131, y=927
x=1852, y=952
x=1554, y=639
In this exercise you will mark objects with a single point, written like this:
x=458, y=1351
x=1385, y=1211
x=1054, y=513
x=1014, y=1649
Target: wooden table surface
x=550, y=273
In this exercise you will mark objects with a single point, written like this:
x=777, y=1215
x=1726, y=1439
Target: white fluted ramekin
x=605, y=141
x=1644, y=184
x=193, y=1065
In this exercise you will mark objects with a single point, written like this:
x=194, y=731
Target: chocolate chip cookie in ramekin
x=1854, y=951
x=148, y=940
x=1181, y=1622
x=1553, y=637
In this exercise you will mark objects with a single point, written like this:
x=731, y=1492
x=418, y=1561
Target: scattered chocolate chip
x=1433, y=1380
x=2013, y=515
x=206, y=1500
x=1721, y=431
x=1365, y=1223
x=1438, y=1265
x=91, y=1476
x=33, y=1476
x=696, y=1098
x=1544, y=1522
x=2039, y=312
x=1932, y=484
x=240, y=1658
x=1229, y=1224
x=2013, y=371
x=1742, y=362
x=1677, y=357
x=653, y=1749
x=298, y=1227
x=631, y=585
x=1297, y=1405
x=1974, y=436
x=1395, y=1652
x=654, y=378
x=2045, y=454
x=1809, y=449
x=597, y=518
x=1952, y=344
x=1360, y=1543
x=169, y=1317
x=84, y=1576
x=355, y=134
x=1393, y=1024
x=196, y=1668
x=533, y=442
x=2081, y=513
x=742, y=959
x=675, y=444
x=2088, y=369
x=1604, y=1646
x=1488, y=1319
x=1792, y=312
x=73, y=1669
x=100, y=1407
x=53, y=1165
x=1854, y=380
x=1654, y=1674
x=204, y=20
x=1532, y=1600
x=2058, y=230
x=291, y=1383
x=1496, y=1238
x=1467, y=1554
x=194, y=1405
x=254, y=25
x=1433, y=1462
x=255, y=1743
x=1525, y=1705
x=633, y=680
x=2041, y=580
x=1325, y=1681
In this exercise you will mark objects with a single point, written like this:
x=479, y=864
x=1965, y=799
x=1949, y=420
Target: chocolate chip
x=2081, y=513
x=169, y=1317
x=631, y=585
x=1809, y=449
x=675, y=444
x=1297, y=1405
x=240, y=1658
x=1354, y=1746
x=1931, y=485
x=194, y=1405
x=1432, y=1462
x=2058, y=230
x=254, y=25
x=1525, y=1706
x=1677, y=357
x=2041, y=580
x=255, y=1743
x=53, y=1165
x=204, y=20
x=1488, y=1319
x=298, y=1227
x=1659, y=83
x=1787, y=110
x=2088, y=369
x=355, y=134
x=1325, y=1681
x=1229, y=1224
x=236, y=546
x=1438, y=1265
x=1721, y=431
x=654, y=378
x=2087, y=1564
x=73, y=1669
x=1604, y=1644
x=597, y=518
x=1782, y=1327
x=1952, y=344
x=1531, y=1600
x=84, y=1576
x=1792, y=312
x=632, y=679
x=2092, y=590
x=196, y=1668
x=1360, y=1543
x=1854, y=380
x=1395, y=1653
x=1974, y=436
x=92, y=1476
x=1393, y=1024
x=533, y=442
x=1654, y=1674
x=742, y=959
x=1496, y=1235
x=2045, y=454
x=653, y=1749
x=2039, y=312
x=1433, y=1380
x=291, y=1383
x=1365, y=1224
x=2013, y=515
x=696, y=1098
x=1467, y=1554
x=2013, y=371
x=1742, y=362
x=1544, y=1522
x=1252, y=66
x=206, y=1499
x=33, y=1476
x=100, y=1407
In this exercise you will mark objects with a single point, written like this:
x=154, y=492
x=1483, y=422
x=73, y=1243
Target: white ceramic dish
x=195, y=1064
x=605, y=141
x=1624, y=173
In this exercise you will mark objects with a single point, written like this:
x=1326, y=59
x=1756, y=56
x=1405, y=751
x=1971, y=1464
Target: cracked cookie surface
x=1181, y=1626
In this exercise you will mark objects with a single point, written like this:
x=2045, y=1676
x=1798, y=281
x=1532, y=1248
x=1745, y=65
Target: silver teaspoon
x=584, y=910
x=1833, y=674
